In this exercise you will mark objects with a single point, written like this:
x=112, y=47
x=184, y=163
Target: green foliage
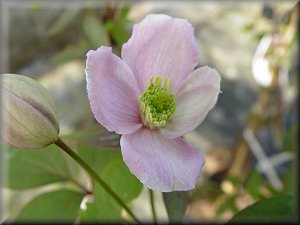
x=98, y=158
x=55, y=206
x=120, y=180
x=95, y=31
x=291, y=141
x=86, y=135
x=290, y=181
x=92, y=35
x=63, y=21
x=33, y=168
x=118, y=176
x=275, y=209
x=176, y=203
x=209, y=190
x=253, y=185
x=118, y=27
x=124, y=13
x=71, y=51
x=227, y=204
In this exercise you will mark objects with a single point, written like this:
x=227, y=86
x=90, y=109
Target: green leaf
x=227, y=204
x=55, y=206
x=290, y=179
x=96, y=137
x=121, y=181
x=33, y=168
x=290, y=138
x=64, y=20
x=98, y=158
x=95, y=31
x=254, y=184
x=124, y=13
x=118, y=26
x=278, y=208
x=118, y=176
x=71, y=52
x=176, y=203
x=85, y=134
x=119, y=31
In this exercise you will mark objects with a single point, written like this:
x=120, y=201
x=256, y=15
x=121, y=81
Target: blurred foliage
x=254, y=184
x=33, y=168
x=271, y=114
x=275, y=209
x=95, y=31
x=120, y=180
x=54, y=206
x=290, y=139
x=228, y=203
x=117, y=28
x=63, y=21
x=36, y=168
x=107, y=27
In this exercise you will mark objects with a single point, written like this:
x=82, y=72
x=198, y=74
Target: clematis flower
x=152, y=96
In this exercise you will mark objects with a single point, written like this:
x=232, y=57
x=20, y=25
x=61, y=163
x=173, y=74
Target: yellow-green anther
x=158, y=80
x=167, y=85
x=157, y=103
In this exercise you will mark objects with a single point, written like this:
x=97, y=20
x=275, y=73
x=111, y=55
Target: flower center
x=157, y=103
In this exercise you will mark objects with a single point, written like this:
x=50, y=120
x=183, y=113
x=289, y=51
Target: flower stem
x=94, y=175
x=152, y=206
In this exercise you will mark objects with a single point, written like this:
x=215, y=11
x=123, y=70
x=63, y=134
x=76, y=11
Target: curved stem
x=94, y=175
x=152, y=206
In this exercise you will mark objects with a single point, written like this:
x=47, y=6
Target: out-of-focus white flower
x=260, y=63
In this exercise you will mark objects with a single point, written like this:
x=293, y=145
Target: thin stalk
x=152, y=206
x=94, y=175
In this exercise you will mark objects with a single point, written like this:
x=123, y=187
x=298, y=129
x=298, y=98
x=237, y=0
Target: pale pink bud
x=28, y=113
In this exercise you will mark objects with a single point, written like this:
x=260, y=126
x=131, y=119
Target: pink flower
x=152, y=96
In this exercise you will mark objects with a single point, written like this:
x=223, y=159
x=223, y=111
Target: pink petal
x=161, y=45
x=112, y=91
x=160, y=163
x=195, y=99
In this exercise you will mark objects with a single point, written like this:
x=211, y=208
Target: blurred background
x=250, y=139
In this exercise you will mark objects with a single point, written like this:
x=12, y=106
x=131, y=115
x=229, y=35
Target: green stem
x=94, y=175
x=152, y=206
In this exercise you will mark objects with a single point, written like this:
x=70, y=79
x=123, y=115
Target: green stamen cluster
x=157, y=103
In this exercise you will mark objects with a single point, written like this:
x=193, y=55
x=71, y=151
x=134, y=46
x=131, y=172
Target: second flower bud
x=28, y=113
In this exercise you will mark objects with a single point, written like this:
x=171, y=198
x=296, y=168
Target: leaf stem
x=152, y=206
x=94, y=175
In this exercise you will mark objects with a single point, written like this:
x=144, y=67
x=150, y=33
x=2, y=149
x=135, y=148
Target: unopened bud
x=28, y=112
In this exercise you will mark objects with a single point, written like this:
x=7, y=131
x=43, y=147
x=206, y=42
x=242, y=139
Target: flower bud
x=28, y=112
